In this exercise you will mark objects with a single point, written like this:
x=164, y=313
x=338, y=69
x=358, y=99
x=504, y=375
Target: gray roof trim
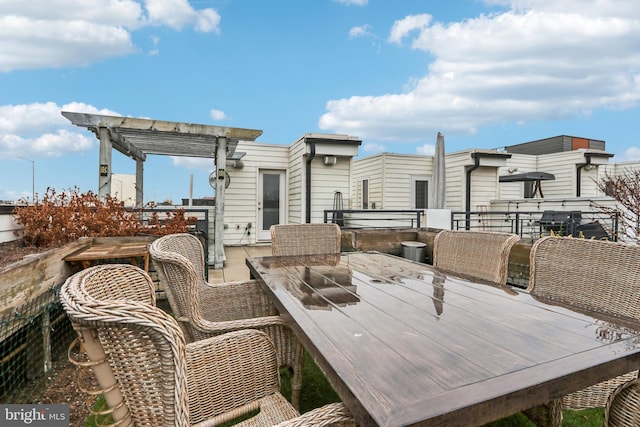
x=528, y=176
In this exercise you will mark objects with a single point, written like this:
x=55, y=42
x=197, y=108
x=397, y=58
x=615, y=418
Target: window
x=420, y=193
x=365, y=194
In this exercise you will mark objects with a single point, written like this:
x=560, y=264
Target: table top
x=403, y=343
x=97, y=252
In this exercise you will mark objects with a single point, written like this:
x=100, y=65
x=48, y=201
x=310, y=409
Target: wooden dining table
x=403, y=343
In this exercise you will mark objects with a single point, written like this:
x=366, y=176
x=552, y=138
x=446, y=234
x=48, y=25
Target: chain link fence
x=34, y=339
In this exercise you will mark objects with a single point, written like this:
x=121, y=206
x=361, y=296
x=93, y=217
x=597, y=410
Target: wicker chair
x=205, y=310
x=305, y=239
x=593, y=275
x=151, y=376
x=479, y=254
x=623, y=406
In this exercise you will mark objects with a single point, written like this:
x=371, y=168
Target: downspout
x=310, y=157
x=476, y=165
x=579, y=172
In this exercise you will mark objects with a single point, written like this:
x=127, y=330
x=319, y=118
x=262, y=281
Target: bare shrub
x=60, y=218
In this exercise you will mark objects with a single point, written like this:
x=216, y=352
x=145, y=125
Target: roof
x=135, y=137
x=527, y=176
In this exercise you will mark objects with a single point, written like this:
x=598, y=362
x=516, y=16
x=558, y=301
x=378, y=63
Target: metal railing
x=526, y=224
x=534, y=225
x=375, y=218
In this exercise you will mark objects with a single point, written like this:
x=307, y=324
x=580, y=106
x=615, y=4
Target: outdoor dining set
x=401, y=342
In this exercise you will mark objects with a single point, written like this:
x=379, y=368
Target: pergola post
x=139, y=183
x=104, y=178
x=221, y=164
x=137, y=137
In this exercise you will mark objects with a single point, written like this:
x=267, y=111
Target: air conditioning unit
x=330, y=160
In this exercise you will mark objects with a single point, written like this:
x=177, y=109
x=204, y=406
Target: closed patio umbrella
x=438, y=184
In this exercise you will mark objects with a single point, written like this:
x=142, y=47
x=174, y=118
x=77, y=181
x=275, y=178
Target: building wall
x=371, y=168
x=564, y=167
x=556, y=144
x=8, y=225
x=297, y=183
x=241, y=196
x=484, y=187
x=518, y=163
x=455, y=179
x=325, y=181
x=390, y=179
x=123, y=188
x=397, y=180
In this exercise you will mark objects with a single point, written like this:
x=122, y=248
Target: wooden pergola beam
x=136, y=138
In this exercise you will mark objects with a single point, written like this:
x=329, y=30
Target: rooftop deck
x=235, y=267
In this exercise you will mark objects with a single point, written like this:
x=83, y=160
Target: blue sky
x=485, y=73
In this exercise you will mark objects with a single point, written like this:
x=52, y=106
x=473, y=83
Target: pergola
x=137, y=138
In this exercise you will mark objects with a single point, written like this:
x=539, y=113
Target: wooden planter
x=28, y=290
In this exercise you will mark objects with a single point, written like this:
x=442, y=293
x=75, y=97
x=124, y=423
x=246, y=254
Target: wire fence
x=34, y=338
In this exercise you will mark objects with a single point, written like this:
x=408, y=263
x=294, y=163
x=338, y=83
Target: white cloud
x=403, y=27
x=217, y=115
x=630, y=154
x=426, y=149
x=179, y=13
x=541, y=59
x=372, y=148
x=360, y=31
x=207, y=21
x=198, y=163
x=39, y=130
x=60, y=33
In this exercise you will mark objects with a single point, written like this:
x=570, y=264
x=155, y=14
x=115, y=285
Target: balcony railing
x=526, y=224
x=533, y=225
x=375, y=218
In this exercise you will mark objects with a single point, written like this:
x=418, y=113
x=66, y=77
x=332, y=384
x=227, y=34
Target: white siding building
x=278, y=184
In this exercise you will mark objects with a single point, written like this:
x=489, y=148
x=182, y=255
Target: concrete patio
x=235, y=267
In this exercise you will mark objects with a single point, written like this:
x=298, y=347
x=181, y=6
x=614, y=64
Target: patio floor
x=235, y=267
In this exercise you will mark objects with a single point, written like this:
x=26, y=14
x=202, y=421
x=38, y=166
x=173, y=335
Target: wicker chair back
x=479, y=254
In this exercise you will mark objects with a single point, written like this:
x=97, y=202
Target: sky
x=485, y=73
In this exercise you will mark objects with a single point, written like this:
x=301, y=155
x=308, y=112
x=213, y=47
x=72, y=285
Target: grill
x=561, y=222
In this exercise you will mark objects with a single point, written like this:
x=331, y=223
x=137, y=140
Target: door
x=271, y=201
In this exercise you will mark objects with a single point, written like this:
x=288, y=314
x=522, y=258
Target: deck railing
x=375, y=218
x=526, y=224
x=535, y=224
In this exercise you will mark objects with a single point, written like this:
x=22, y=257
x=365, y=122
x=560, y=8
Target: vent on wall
x=330, y=160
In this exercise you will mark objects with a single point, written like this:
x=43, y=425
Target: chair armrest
x=229, y=371
x=234, y=300
x=623, y=405
x=332, y=413
x=216, y=328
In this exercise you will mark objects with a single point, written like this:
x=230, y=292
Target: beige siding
x=484, y=186
x=325, y=181
x=399, y=170
x=296, y=179
x=518, y=163
x=456, y=180
x=563, y=166
x=241, y=196
x=370, y=168
x=390, y=178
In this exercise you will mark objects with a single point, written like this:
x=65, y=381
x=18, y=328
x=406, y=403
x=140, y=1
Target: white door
x=271, y=201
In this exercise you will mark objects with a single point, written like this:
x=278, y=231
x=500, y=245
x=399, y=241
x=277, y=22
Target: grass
x=316, y=391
